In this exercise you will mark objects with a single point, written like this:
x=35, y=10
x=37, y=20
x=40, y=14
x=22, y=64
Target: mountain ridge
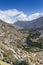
x=37, y=23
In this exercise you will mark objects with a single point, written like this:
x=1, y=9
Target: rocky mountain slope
x=11, y=49
x=10, y=38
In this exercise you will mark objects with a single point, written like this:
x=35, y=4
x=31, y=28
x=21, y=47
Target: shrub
x=21, y=62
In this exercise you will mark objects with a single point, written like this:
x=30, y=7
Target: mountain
x=36, y=23
x=12, y=51
x=10, y=41
x=8, y=33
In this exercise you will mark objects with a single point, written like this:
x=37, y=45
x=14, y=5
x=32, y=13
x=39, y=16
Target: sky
x=26, y=10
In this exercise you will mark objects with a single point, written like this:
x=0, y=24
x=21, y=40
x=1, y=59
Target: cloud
x=12, y=15
x=24, y=17
x=34, y=16
x=8, y=15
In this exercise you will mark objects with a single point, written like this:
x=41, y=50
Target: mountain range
x=34, y=24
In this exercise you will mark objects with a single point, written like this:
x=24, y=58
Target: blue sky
x=27, y=6
x=11, y=10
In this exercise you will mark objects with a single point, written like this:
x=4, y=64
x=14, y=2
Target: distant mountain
x=36, y=23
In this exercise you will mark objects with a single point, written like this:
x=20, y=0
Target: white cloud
x=8, y=15
x=34, y=16
x=24, y=17
x=12, y=15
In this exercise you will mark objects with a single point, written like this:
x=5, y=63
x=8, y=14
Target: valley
x=20, y=47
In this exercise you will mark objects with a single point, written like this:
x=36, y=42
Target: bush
x=21, y=62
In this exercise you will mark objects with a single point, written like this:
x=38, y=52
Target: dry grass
x=3, y=63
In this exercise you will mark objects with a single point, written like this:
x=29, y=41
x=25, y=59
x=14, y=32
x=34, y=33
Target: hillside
x=11, y=48
x=10, y=39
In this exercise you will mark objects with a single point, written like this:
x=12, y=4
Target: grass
x=3, y=63
x=32, y=49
